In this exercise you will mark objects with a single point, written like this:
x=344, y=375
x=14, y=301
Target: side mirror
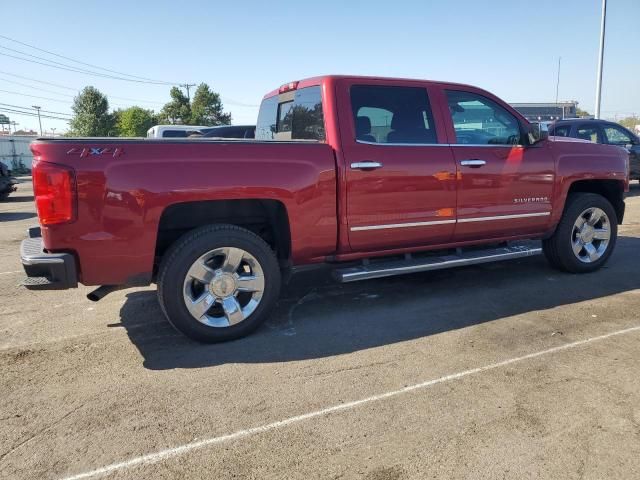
x=538, y=132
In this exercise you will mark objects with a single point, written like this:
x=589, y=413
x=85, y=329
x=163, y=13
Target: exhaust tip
x=101, y=292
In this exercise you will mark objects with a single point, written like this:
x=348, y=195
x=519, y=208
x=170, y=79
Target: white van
x=173, y=131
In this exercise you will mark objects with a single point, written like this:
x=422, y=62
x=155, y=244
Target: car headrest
x=404, y=121
x=363, y=126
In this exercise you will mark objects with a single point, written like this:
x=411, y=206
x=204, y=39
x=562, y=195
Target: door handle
x=366, y=165
x=473, y=163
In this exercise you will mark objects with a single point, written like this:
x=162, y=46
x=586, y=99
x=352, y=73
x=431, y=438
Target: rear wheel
x=585, y=236
x=218, y=283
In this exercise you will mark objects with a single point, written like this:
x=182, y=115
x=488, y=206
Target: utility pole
x=188, y=86
x=14, y=123
x=601, y=58
x=53, y=132
x=39, y=121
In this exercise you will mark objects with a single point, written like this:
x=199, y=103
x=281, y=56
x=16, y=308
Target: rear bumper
x=46, y=271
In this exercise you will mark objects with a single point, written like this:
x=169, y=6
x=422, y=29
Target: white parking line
x=7, y=273
x=182, y=449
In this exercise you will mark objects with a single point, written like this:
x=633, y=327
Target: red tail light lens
x=54, y=192
x=287, y=87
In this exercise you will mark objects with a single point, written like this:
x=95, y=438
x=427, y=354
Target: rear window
x=300, y=118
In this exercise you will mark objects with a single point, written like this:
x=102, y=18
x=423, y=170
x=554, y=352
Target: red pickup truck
x=374, y=176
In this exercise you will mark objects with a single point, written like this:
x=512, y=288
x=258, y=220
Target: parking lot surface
x=509, y=370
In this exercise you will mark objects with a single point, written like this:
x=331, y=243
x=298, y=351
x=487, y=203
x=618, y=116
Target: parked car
x=372, y=176
x=230, y=131
x=602, y=131
x=8, y=184
x=174, y=131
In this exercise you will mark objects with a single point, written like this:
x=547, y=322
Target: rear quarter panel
x=121, y=199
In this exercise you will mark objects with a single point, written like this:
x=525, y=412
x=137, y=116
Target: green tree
x=207, y=109
x=91, y=117
x=178, y=110
x=582, y=113
x=630, y=122
x=134, y=121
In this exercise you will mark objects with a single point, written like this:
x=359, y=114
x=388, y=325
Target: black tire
x=558, y=249
x=4, y=196
x=181, y=256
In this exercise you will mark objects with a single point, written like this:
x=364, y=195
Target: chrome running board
x=386, y=268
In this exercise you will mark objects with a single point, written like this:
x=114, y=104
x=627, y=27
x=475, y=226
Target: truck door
x=504, y=187
x=400, y=174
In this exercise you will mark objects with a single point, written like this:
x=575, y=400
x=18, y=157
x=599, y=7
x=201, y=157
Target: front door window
x=478, y=120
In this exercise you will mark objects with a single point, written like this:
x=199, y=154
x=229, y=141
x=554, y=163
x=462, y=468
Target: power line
x=63, y=66
x=27, y=108
x=39, y=81
x=67, y=95
x=30, y=114
x=87, y=64
x=68, y=102
x=76, y=70
x=36, y=88
x=37, y=96
x=68, y=88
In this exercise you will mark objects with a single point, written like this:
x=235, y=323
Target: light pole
x=39, y=121
x=601, y=58
x=53, y=130
x=558, y=81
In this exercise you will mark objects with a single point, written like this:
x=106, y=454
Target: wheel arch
x=612, y=190
x=267, y=218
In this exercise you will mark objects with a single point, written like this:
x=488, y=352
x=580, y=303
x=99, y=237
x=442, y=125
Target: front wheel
x=585, y=236
x=218, y=283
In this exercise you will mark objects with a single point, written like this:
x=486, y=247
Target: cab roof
x=319, y=80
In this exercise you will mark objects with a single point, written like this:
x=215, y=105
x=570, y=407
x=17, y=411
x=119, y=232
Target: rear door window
x=300, y=118
x=398, y=115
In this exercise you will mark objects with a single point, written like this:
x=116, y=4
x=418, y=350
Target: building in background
x=546, y=112
x=15, y=153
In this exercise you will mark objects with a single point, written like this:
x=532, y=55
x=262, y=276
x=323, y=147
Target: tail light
x=54, y=192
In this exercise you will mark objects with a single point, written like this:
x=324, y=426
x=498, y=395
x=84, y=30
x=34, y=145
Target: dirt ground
x=508, y=370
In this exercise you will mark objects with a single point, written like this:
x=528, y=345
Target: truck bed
x=125, y=185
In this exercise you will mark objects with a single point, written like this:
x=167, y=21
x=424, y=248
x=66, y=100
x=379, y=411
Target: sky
x=245, y=49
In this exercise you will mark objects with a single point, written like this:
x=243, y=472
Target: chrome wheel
x=223, y=287
x=591, y=235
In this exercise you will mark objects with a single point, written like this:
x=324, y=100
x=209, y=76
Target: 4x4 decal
x=92, y=151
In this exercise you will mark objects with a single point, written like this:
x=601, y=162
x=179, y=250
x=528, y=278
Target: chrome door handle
x=473, y=163
x=366, y=165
